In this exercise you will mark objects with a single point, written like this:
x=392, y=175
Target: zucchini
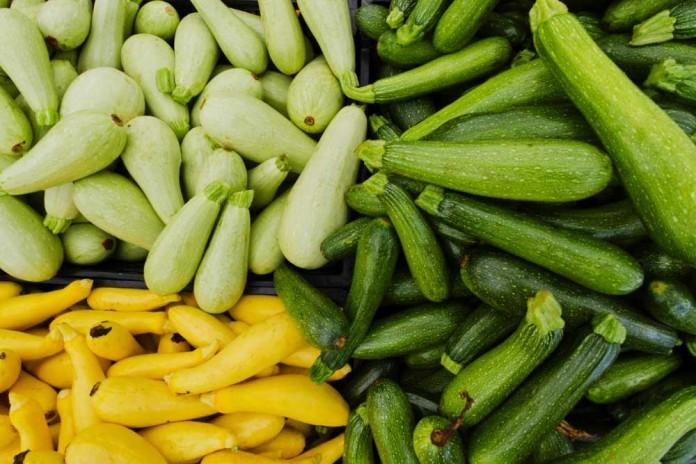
x=344, y=240
x=371, y=20
x=429, y=383
x=403, y=290
x=427, y=358
x=414, y=54
x=242, y=47
x=436, y=441
x=452, y=234
x=646, y=436
x=480, y=330
x=153, y=159
x=129, y=253
x=421, y=405
x=423, y=254
x=225, y=166
x=265, y=180
x=178, y=250
x=255, y=130
x=505, y=282
x=511, y=432
x=252, y=20
x=355, y=390
x=674, y=23
x=60, y=207
x=7, y=84
x=27, y=64
x=652, y=174
x=330, y=24
x=505, y=25
x=61, y=157
x=124, y=99
x=423, y=18
x=585, y=260
x=630, y=375
x=64, y=73
x=358, y=444
x=264, y=251
x=375, y=261
x=157, y=18
x=29, y=8
x=383, y=128
x=391, y=420
x=621, y=15
x=458, y=24
x=553, y=446
x=149, y=60
x=542, y=122
x=195, y=149
x=283, y=34
x=364, y=202
x=314, y=97
x=683, y=451
x=86, y=245
x=492, y=377
x=117, y=206
x=507, y=169
x=673, y=304
x=235, y=81
x=106, y=36
x=16, y=134
x=65, y=24
x=275, y=88
x=399, y=11
x=321, y=322
x=411, y=330
x=674, y=78
x=32, y=252
x=323, y=183
x=222, y=275
x=653, y=395
x=475, y=61
x=132, y=8
x=657, y=263
x=408, y=113
x=527, y=84
x=195, y=55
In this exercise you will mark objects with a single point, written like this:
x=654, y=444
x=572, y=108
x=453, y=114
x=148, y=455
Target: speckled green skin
x=672, y=303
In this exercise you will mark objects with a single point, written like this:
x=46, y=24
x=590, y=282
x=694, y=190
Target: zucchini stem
x=216, y=191
x=543, y=10
x=364, y=94
x=181, y=95
x=241, y=199
x=659, y=28
x=371, y=152
x=395, y=18
x=544, y=312
x=46, y=118
x=575, y=434
x=376, y=184
x=609, y=328
x=165, y=80
x=440, y=437
x=675, y=78
x=55, y=224
x=409, y=33
x=430, y=198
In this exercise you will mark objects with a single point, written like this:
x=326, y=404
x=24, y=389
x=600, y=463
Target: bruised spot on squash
x=52, y=43
x=19, y=147
x=3, y=355
x=309, y=120
x=94, y=389
x=99, y=331
x=117, y=120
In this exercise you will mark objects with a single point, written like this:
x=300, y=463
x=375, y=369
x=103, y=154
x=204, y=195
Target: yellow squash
x=137, y=322
x=42, y=457
x=172, y=343
x=338, y=375
x=28, y=419
x=9, y=289
x=57, y=370
x=67, y=419
x=289, y=443
x=31, y=387
x=128, y=299
x=112, y=444
x=10, y=367
x=253, y=309
x=199, y=328
x=242, y=457
x=29, y=346
x=327, y=453
x=187, y=442
x=159, y=365
x=112, y=341
x=249, y=428
x=7, y=433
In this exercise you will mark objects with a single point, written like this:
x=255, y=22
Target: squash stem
x=55, y=224
x=609, y=328
x=450, y=364
x=544, y=312
x=46, y=118
x=675, y=78
x=216, y=191
x=395, y=18
x=543, y=10
x=181, y=95
x=371, y=152
x=409, y=33
x=165, y=80
x=241, y=199
x=320, y=371
x=659, y=28
x=365, y=94
x=376, y=184
x=440, y=437
x=429, y=200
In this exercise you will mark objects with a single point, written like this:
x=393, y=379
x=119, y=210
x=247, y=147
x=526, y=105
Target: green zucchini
x=674, y=78
x=32, y=252
x=673, y=304
x=332, y=169
x=475, y=61
x=27, y=64
x=239, y=43
x=358, y=444
x=322, y=322
x=630, y=375
x=452, y=234
x=429, y=383
x=275, y=87
x=588, y=261
x=153, y=159
x=458, y=24
x=65, y=24
x=371, y=20
x=423, y=18
x=222, y=275
x=265, y=180
x=129, y=253
x=408, y=113
x=507, y=169
x=225, y=166
x=543, y=122
x=505, y=25
x=421, y=405
x=283, y=34
x=375, y=261
x=405, y=56
x=527, y=84
x=147, y=59
x=86, y=245
x=652, y=175
x=492, y=377
x=364, y=202
x=157, y=18
x=683, y=451
x=685, y=119
x=510, y=434
x=117, y=206
x=64, y=73
x=195, y=56
x=264, y=251
x=132, y=8
x=480, y=330
x=61, y=157
x=399, y=11
x=255, y=130
x=344, y=240
x=657, y=263
x=235, y=81
x=60, y=207
x=505, y=282
x=383, y=128
x=391, y=420
x=623, y=14
x=647, y=435
x=106, y=36
x=436, y=441
x=403, y=290
x=16, y=134
x=423, y=254
x=553, y=446
x=124, y=99
x=411, y=330
x=195, y=149
x=615, y=222
x=359, y=382
x=653, y=395
x=314, y=97
x=427, y=358
x=674, y=23
x=178, y=250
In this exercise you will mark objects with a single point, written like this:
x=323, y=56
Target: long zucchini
x=459, y=23
x=229, y=82
x=106, y=35
x=196, y=54
x=344, y=240
x=391, y=421
x=264, y=251
x=672, y=303
x=390, y=51
x=358, y=445
x=283, y=35
x=371, y=20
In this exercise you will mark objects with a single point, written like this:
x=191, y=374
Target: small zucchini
x=674, y=78
x=657, y=263
x=242, y=47
x=129, y=253
x=61, y=157
x=60, y=207
x=653, y=395
x=408, y=113
x=359, y=382
x=364, y=202
x=674, y=23
x=314, y=97
x=265, y=180
x=195, y=56
x=621, y=15
x=672, y=303
x=344, y=240
x=233, y=81
x=383, y=128
x=427, y=358
x=399, y=11
x=132, y=8
x=283, y=34
x=321, y=322
x=392, y=422
x=371, y=20
x=65, y=24
x=64, y=73
x=423, y=18
x=508, y=26
x=153, y=159
x=225, y=166
x=414, y=54
x=403, y=290
x=553, y=446
x=275, y=87
x=222, y=275
x=106, y=36
x=195, y=149
x=264, y=251
x=16, y=134
x=458, y=24
x=86, y=245
x=436, y=441
x=358, y=445
x=117, y=206
x=178, y=250
x=157, y=18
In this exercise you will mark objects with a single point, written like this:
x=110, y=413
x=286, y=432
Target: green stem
x=430, y=198
x=376, y=184
x=365, y=94
x=241, y=199
x=544, y=312
x=216, y=191
x=659, y=28
x=371, y=152
x=609, y=328
x=543, y=10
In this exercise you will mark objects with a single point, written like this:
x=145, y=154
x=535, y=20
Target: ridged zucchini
x=158, y=18
x=371, y=20
x=672, y=303
x=283, y=34
x=403, y=290
x=383, y=128
x=390, y=51
x=195, y=56
x=265, y=180
x=314, y=97
x=408, y=113
x=399, y=11
x=358, y=445
x=344, y=240
x=60, y=207
x=264, y=251
x=392, y=422
x=364, y=202
x=423, y=18
x=674, y=23
x=458, y=24
x=85, y=245
x=233, y=81
x=65, y=24
x=436, y=441
x=621, y=15
x=16, y=134
x=106, y=36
